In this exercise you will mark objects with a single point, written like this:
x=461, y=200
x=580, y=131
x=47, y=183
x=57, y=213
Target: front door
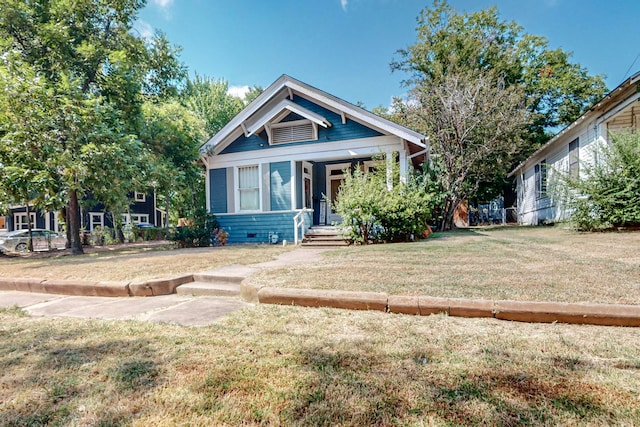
x=335, y=176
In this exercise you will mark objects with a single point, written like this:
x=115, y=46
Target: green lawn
x=539, y=264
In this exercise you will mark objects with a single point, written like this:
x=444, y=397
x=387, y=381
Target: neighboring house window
x=139, y=218
x=96, y=219
x=134, y=218
x=140, y=197
x=20, y=221
x=574, y=158
x=294, y=131
x=541, y=179
x=249, y=188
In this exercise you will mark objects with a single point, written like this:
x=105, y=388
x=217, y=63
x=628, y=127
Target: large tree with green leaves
x=173, y=134
x=210, y=100
x=557, y=90
x=97, y=74
x=457, y=53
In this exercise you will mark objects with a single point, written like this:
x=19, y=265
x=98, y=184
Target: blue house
x=143, y=209
x=273, y=170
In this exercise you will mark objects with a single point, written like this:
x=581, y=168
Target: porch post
x=403, y=166
x=389, y=163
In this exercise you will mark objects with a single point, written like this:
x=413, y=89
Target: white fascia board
x=351, y=149
x=286, y=104
x=249, y=110
x=618, y=108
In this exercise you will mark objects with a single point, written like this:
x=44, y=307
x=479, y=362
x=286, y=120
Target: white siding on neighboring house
x=571, y=152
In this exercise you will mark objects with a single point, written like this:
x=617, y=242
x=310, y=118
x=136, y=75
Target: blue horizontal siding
x=218, y=190
x=240, y=227
x=337, y=132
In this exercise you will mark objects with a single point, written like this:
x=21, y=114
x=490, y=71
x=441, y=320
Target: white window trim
x=139, y=197
x=236, y=187
x=292, y=123
x=141, y=218
x=92, y=224
x=23, y=214
x=305, y=175
x=126, y=218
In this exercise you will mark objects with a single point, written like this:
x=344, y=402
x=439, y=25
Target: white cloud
x=238, y=91
x=343, y=3
x=163, y=4
x=144, y=28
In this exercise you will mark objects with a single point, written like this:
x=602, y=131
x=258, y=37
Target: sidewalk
x=182, y=310
x=190, y=310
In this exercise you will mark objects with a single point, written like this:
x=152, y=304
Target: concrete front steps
x=324, y=236
x=212, y=285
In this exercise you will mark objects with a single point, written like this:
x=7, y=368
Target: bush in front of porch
x=372, y=212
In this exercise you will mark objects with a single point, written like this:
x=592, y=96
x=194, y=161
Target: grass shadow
x=346, y=387
x=66, y=374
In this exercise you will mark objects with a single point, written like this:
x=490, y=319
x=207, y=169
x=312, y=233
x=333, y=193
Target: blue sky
x=344, y=47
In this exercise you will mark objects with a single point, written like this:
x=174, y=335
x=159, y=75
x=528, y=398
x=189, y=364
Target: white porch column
x=389, y=163
x=404, y=169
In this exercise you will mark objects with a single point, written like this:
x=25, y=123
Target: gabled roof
x=607, y=103
x=273, y=102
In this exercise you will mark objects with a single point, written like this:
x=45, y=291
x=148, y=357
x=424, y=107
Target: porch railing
x=299, y=222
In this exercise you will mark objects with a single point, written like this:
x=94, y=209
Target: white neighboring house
x=570, y=149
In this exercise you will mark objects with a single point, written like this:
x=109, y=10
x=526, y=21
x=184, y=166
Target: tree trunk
x=73, y=225
x=117, y=225
x=447, y=218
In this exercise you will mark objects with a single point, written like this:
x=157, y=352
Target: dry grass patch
x=272, y=365
x=129, y=263
x=536, y=264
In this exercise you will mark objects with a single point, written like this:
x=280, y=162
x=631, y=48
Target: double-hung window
x=574, y=158
x=249, y=188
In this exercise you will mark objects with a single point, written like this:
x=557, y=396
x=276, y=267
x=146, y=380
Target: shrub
x=372, y=212
x=198, y=232
x=608, y=192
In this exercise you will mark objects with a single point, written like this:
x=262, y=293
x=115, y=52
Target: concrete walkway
x=187, y=311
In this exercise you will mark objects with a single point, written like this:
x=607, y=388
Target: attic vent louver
x=295, y=131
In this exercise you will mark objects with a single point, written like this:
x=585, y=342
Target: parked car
x=145, y=225
x=43, y=240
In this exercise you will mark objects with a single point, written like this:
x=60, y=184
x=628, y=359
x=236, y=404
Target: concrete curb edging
x=521, y=311
x=157, y=287
x=316, y=298
x=96, y=289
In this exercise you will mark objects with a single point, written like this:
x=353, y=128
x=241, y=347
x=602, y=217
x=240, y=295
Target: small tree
x=607, y=194
x=475, y=123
